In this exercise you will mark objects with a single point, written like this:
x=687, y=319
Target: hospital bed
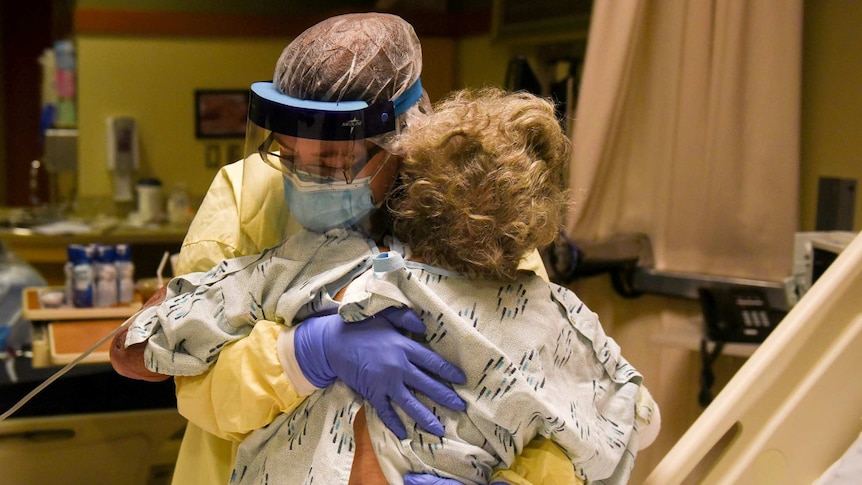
x=795, y=407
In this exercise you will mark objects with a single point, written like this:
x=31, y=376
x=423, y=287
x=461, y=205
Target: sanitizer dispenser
x=123, y=156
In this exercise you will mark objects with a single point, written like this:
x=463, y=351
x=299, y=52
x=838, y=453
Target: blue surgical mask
x=329, y=206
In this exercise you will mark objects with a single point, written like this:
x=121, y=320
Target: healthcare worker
x=352, y=81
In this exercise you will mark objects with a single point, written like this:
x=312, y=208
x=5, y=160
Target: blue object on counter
x=46, y=120
x=15, y=275
x=82, y=276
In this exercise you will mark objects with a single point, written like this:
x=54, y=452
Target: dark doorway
x=26, y=30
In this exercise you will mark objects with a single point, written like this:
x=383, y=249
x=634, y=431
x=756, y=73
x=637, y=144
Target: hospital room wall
x=831, y=101
x=153, y=79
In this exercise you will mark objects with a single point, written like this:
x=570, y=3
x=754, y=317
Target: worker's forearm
x=245, y=389
x=129, y=361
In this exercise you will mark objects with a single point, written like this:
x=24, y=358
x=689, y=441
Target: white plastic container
x=149, y=199
x=106, y=276
x=69, y=289
x=179, y=206
x=125, y=274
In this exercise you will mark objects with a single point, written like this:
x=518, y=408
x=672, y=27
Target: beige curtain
x=687, y=130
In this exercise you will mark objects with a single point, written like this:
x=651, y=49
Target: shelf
x=62, y=334
x=34, y=311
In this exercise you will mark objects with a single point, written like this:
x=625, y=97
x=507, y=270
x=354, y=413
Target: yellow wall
x=831, y=101
x=481, y=62
x=154, y=80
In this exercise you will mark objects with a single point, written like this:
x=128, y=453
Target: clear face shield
x=322, y=155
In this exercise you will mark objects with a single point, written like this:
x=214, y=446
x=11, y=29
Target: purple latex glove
x=425, y=479
x=380, y=364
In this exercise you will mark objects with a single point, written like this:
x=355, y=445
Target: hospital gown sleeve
x=541, y=461
x=214, y=234
x=244, y=391
x=248, y=368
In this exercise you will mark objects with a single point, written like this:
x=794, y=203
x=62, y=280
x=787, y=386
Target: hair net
x=367, y=57
x=355, y=57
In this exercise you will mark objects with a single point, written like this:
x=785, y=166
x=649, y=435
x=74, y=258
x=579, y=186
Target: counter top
x=116, y=234
x=47, y=253
x=36, y=247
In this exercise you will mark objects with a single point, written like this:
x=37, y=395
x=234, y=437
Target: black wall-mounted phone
x=738, y=314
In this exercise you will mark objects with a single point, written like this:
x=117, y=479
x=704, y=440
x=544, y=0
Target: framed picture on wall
x=220, y=113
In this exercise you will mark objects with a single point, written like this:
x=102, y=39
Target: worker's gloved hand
x=425, y=479
x=380, y=364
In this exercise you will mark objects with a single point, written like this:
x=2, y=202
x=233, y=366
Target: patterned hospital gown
x=203, y=312
x=537, y=360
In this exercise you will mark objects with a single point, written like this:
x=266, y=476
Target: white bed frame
x=795, y=406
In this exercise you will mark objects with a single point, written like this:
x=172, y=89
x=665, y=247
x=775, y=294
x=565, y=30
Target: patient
x=481, y=187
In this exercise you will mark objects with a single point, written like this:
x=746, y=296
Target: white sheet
x=847, y=470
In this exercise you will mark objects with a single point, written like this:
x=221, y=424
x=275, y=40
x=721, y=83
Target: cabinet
x=91, y=425
x=134, y=448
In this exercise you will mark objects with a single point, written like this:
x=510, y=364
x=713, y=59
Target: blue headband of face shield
x=321, y=120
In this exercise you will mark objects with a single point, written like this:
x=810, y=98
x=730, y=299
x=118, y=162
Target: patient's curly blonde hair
x=482, y=182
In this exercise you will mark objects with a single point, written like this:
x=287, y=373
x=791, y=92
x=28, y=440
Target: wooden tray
x=68, y=340
x=32, y=308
